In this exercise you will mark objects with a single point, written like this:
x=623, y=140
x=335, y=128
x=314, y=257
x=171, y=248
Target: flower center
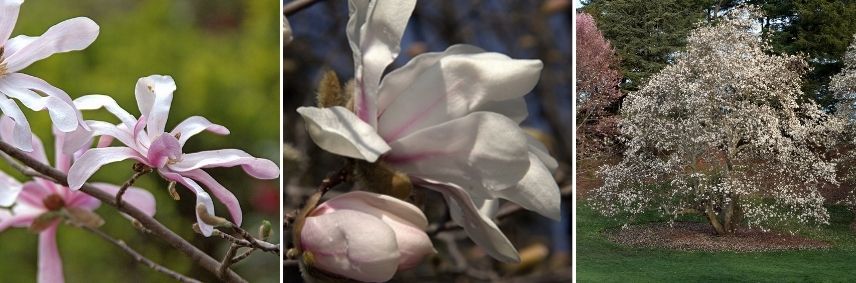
x=53, y=202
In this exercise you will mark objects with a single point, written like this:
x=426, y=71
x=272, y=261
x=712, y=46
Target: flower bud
x=365, y=236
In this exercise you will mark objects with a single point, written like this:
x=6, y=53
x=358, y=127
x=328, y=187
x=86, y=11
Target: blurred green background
x=224, y=58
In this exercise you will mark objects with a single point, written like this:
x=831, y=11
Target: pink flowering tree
x=63, y=194
x=723, y=133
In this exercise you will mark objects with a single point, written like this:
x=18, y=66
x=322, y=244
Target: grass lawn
x=599, y=260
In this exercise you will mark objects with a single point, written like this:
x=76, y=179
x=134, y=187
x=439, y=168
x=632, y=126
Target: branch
x=139, y=170
x=295, y=6
x=140, y=258
x=156, y=228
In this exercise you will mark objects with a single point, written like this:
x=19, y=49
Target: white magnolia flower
x=449, y=120
x=19, y=52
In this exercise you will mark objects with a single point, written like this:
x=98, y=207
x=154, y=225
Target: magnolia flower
x=19, y=52
x=365, y=236
x=447, y=119
x=43, y=204
x=147, y=142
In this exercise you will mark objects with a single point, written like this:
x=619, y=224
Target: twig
x=139, y=170
x=254, y=243
x=243, y=255
x=158, y=229
x=21, y=168
x=227, y=259
x=140, y=258
x=295, y=6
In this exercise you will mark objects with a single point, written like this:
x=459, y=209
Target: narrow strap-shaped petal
x=15, y=220
x=481, y=229
x=136, y=197
x=93, y=159
x=64, y=118
x=257, y=167
x=434, y=88
x=69, y=35
x=98, y=101
x=538, y=148
x=154, y=98
x=480, y=150
x=16, y=43
x=62, y=113
x=222, y=194
x=20, y=135
x=374, y=30
x=8, y=17
x=339, y=131
x=119, y=132
x=7, y=128
x=194, y=125
x=50, y=263
x=201, y=197
x=9, y=189
x=537, y=191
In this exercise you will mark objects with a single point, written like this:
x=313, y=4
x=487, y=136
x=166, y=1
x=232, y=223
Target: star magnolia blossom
x=147, y=142
x=449, y=120
x=41, y=197
x=366, y=236
x=19, y=52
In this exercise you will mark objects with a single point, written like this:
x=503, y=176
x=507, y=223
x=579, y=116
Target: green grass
x=599, y=260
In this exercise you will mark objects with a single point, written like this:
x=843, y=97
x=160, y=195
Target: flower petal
x=481, y=229
x=15, y=220
x=222, y=194
x=352, y=244
x=538, y=148
x=50, y=263
x=194, y=125
x=59, y=105
x=94, y=159
x=374, y=30
x=62, y=114
x=257, y=167
x=69, y=35
x=434, y=88
x=9, y=189
x=339, y=131
x=480, y=150
x=154, y=98
x=98, y=101
x=20, y=135
x=136, y=197
x=163, y=149
x=7, y=128
x=201, y=197
x=8, y=17
x=119, y=132
x=537, y=191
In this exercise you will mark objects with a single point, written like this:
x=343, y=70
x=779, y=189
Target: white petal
x=537, y=191
x=97, y=101
x=538, y=148
x=7, y=129
x=257, y=167
x=481, y=229
x=374, y=30
x=201, y=197
x=194, y=125
x=21, y=135
x=122, y=134
x=222, y=194
x=481, y=150
x=8, y=17
x=16, y=43
x=434, y=88
x=63, y=114
x=154, y=98
x=9, y=189
x=94, y=159
x=339, y=131
x=69, y=35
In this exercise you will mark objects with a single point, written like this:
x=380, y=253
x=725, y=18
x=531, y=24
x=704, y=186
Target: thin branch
x=140, y=258
x=295, y=6
x=246, y=240
x=227, y=259
x=21, y=168
x=139, y=170
x=243, y=255
x=158, y=229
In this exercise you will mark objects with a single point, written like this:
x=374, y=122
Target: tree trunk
x=713, y=219
x=730, y=218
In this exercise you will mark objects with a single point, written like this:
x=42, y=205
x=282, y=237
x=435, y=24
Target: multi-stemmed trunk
x=724, y=220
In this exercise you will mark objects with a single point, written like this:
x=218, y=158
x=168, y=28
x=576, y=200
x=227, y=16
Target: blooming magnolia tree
x=723, y=133
x=445, y=121
x=843, y=88
x=60, y=193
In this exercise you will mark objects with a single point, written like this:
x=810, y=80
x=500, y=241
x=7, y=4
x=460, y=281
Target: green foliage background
x=224, y=58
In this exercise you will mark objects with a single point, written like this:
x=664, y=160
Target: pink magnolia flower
x=147, y=142
x=19, y=52
x=40, y=197
x=450, y=120
x=366, y=236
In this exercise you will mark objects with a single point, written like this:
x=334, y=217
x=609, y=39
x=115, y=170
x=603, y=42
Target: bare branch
x=139, y=170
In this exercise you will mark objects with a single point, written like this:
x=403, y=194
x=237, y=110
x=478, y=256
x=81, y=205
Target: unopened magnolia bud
x=172, y=192
x=330, y=91
x=382, y=179
x=265, y=230
x=83, y=217
x=349, y=94
x=210, y=219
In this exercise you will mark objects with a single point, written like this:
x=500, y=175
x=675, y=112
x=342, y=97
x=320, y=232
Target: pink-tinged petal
x=69, y=35
x=374, y=30
x=81, y=200
x=8, y=17
x=9, y=189
x=50, y=263
x=538, y=148
x=7, y=126
x=20, y=136
x=352, y=244
x=222, y=194
x=163, y=149
x=136, y=197
x=34, y=193
x=481, y=229
x=480, y=150
x=339, y=131
x=62, y=113
x=435, y=88
x=201, y=197
x=94, y=159
x=154, y=98
x=194, y=125
x=16, y=220
x=257, y=167
x=77, y=140
x=64, y=120
x=119, y=132
x=97, y=101
x=62, y=161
